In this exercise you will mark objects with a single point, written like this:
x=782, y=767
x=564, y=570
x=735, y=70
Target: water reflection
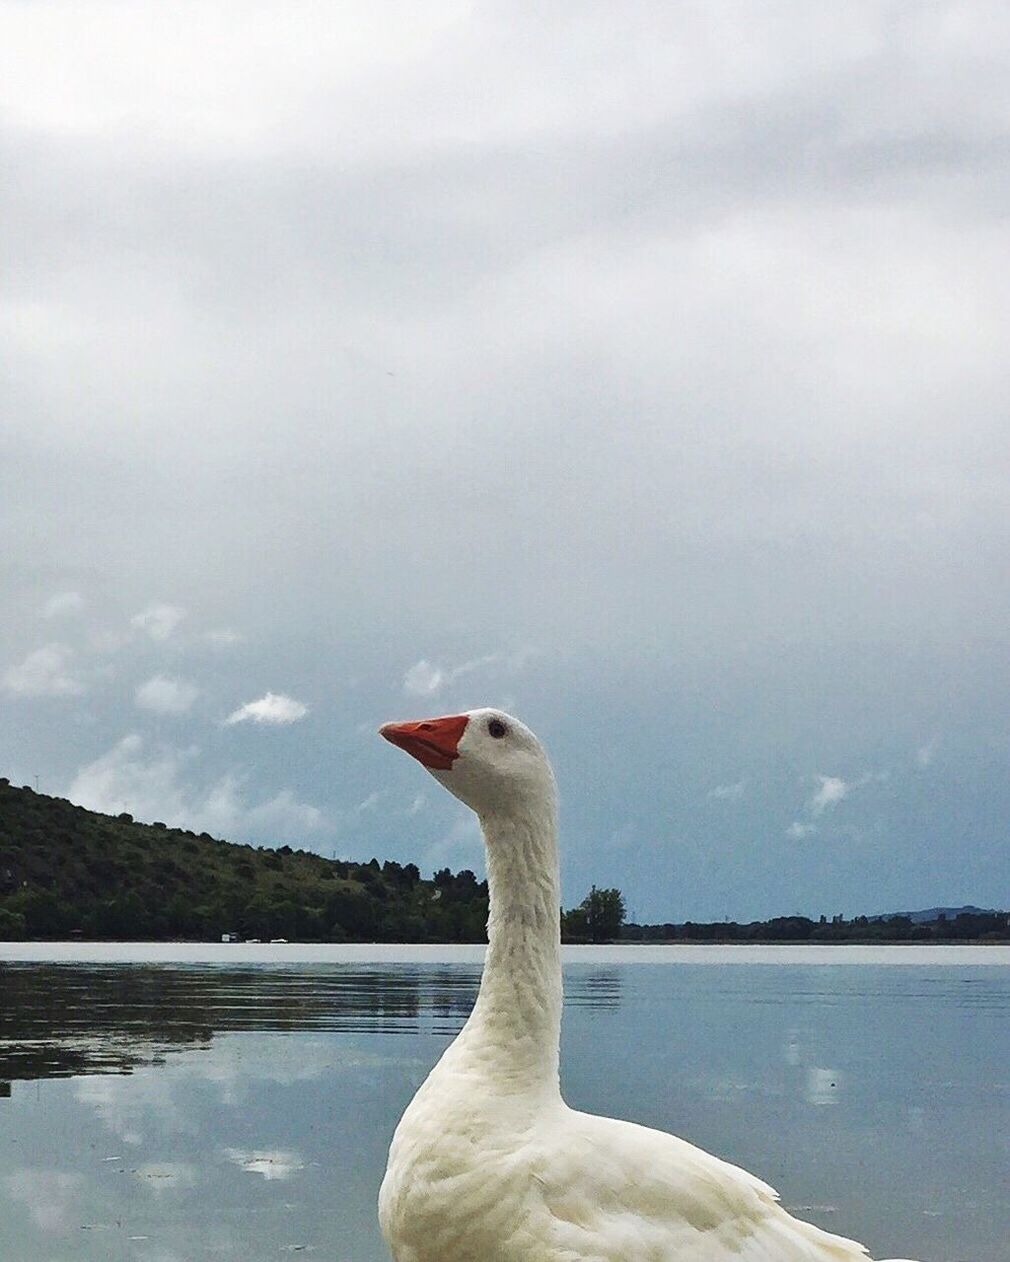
x=184, y=1112
x=58, y=1021
x=593, y=988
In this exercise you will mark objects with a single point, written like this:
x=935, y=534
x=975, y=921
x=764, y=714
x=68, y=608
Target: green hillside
x=66, y=871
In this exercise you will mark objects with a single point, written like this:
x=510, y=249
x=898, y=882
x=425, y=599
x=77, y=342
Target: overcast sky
x=640, y=368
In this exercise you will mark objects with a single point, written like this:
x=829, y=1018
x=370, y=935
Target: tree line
x=68, y=872
x=966, y=927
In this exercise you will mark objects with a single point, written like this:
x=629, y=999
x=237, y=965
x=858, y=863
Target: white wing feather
x=617, y=1192
x=463, y=1185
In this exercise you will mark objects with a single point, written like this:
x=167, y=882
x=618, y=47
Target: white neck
x=515, y=1026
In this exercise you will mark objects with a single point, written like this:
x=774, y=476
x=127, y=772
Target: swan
x=488, y=1163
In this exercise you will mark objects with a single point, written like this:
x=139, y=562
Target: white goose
x=488, y=1163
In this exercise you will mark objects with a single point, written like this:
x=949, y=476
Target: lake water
x=176, y=1103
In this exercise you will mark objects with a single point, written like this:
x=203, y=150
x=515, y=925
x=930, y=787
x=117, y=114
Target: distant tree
x=573, y=925
x=598, y=917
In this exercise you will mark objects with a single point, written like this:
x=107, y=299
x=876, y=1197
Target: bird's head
x=486, y=758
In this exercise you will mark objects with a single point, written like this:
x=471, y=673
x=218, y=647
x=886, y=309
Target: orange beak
x=433, y=742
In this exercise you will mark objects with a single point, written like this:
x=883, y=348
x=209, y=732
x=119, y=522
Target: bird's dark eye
x=496, y=728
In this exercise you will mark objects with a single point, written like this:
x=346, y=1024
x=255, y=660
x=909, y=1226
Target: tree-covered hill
x=66, y=871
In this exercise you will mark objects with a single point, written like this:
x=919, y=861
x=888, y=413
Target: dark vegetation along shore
x=964, y=926
x=69, y=872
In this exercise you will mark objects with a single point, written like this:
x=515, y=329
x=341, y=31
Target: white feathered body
x=479, y=1177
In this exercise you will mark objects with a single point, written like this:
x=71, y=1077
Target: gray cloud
x=45, y=672
x=164, y=695
x=63, y=603
x=163, y=784
x=158, y=621
x=672, y=347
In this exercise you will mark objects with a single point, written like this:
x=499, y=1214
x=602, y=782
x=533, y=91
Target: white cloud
x=158, y=621
x=417, y=805
x=727, y=792
x=281, y=816
x=153, y=786
x=798, y=830
x=223, y=637
x=371, y=801
x=830, y=791
x=833, y=789
x=274, y=707
x=125, y=779
x=475, y=663
x=925, y=754
x=423, y=679
x=162, y=695
x=46, y=672
x=63, y=603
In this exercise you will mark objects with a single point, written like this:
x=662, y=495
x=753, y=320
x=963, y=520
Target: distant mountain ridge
x=931, y=914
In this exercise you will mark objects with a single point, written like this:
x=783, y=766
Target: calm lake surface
x=177, y=1102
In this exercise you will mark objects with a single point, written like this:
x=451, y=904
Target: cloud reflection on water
x=213, y=1111
x=50, y=1196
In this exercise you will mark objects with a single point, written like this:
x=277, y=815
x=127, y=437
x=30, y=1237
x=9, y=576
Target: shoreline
x=391, y=953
